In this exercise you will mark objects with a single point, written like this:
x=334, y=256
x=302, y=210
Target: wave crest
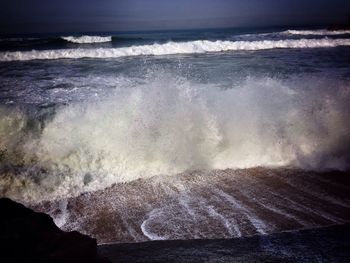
x=88, y=39
x=320, y=32
x=169, y=48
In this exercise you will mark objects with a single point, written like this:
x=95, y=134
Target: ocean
x=158, y=135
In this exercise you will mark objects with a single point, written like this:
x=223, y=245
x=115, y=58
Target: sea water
x=81, y=113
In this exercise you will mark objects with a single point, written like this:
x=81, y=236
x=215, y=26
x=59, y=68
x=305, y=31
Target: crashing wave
x=169, y=48
x=87, y=39
x=169, y=125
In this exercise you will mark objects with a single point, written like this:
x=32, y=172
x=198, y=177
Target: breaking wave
x=191, y=47
x=168, y=125
x=88, y=39
x=320, y=32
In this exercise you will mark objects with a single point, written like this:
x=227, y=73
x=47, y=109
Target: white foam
x=231, y=227
x=191, y=47
x=304, y=205
x=61, y=218
x=258, y=224
x=167, y=125
x=320, y=32
x=315, y=191
x=88, y=39
x=147, y=230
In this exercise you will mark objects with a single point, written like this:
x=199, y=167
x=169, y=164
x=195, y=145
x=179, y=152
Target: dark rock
x=27, y=236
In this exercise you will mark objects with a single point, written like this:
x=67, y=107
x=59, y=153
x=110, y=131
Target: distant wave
x=16, y=39
x=88, y=39
x=169, y=48
x=320, y=32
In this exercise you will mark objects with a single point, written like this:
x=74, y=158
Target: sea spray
x=169, y=124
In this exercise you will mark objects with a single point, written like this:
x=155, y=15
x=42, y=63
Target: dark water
x=329, y=244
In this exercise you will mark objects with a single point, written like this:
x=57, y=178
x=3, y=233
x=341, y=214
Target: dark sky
x=39, y=16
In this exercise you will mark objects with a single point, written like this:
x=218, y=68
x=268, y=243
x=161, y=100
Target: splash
x=168, y=125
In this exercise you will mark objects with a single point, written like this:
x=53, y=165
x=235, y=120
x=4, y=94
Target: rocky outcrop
x=28, y=236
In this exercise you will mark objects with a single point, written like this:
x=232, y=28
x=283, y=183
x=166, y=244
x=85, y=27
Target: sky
x=50, y=16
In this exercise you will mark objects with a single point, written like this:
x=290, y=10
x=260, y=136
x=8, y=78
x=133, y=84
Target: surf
x=172, y=48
